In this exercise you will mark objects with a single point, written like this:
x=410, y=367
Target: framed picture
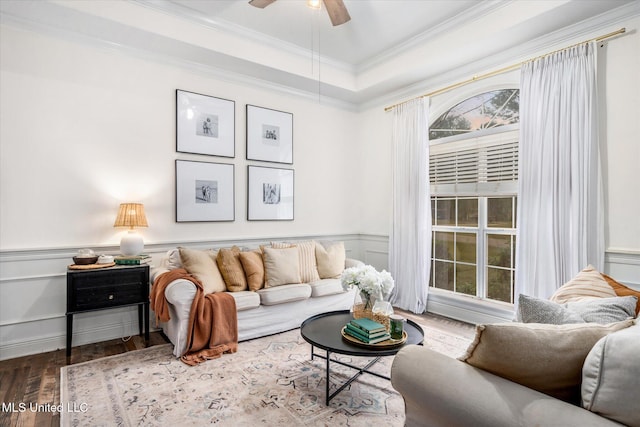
x=270, y=194
x=269, y=135
x=204, y=191
x=204, y=124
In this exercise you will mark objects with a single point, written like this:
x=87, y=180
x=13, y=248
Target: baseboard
x=467, y=309
x=123, y=329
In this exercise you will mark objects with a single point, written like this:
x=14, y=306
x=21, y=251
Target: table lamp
x=131, y=215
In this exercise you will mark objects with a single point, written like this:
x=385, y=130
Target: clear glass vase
x=372, y=307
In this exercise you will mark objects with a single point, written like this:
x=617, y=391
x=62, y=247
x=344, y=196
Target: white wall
x=85, y=128
x=619, y=68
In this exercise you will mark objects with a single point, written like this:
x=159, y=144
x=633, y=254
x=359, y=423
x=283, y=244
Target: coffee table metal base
x=323, y=331
x=360, y=370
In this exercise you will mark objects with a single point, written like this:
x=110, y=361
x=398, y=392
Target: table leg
x=69, y=333
x=140, y=310
x=326, y=394
x=146, y=321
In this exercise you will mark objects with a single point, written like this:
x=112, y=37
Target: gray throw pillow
x=536, y=310
x=604, y=310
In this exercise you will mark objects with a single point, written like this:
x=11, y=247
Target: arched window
x=473, y=172
x=484, y=111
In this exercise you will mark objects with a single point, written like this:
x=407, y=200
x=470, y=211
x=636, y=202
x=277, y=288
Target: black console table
x=104, y=288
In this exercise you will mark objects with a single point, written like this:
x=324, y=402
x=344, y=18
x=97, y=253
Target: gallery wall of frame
x=205, y=191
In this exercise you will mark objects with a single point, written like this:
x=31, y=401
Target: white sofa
x=572, y=360
x=263, y=312
x=442, y=391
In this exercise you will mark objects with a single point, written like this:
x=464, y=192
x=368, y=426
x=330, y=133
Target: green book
x=368, y=325
x=365, y=334
x=132, y=260
x=365, y=340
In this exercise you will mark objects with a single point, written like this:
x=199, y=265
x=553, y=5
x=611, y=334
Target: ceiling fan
x=335, y=8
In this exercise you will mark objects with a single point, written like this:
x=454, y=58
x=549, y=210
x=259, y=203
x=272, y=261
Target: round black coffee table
x=323, y=331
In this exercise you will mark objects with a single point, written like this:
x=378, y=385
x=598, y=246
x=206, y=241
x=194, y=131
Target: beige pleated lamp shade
x=131, y=215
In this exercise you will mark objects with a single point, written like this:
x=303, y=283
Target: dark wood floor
x=36, y=379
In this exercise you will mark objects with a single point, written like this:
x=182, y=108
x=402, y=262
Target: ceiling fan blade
x=261, y=3
x=337, y=11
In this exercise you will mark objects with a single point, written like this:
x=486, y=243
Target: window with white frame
x=473, y=171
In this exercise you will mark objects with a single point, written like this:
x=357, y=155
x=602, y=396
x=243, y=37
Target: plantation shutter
x=483, y=165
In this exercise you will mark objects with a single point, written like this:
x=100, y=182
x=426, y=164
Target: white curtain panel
x=410, y=237
x=560, y=207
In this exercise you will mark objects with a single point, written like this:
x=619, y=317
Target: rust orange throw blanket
x=213, y=321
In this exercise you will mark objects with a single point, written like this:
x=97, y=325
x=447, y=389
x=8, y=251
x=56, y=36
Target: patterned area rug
x=269, y=381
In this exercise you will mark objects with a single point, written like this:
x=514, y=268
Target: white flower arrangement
x=368, y=281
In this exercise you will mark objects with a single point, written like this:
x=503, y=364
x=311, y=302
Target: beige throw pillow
x=547, y=358
x=330, y=257
x=253, y=268
x=587, y=284
x=231, y=269
x=202, y=265
x=281, y=266
x=307, y=255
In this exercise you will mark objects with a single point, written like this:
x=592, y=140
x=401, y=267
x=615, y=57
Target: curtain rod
x=505, y=69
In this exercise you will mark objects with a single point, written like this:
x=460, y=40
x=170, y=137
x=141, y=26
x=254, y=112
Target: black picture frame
x=269, y=135
x=205, y=191
x=205, y=124
x=270, y=193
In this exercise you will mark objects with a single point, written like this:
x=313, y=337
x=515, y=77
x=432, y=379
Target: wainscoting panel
x=33, y=292
x=33, y=295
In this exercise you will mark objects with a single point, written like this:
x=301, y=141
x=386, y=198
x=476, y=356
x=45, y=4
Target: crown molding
x=484, y=8
x=239, y=71
x=185, y=12
x=243, y=73
x=582, y=30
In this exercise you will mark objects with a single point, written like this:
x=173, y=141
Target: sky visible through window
x=483, y=111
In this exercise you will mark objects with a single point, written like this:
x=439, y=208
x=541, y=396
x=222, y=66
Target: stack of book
x=367, y=331
x=132, y=260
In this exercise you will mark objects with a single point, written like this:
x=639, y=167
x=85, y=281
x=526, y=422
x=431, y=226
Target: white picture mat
x=187, y=207
x=257, y=148
x=190, y=108
x=257, y=208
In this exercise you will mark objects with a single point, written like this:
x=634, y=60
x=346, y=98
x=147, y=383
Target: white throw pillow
x=610, y=377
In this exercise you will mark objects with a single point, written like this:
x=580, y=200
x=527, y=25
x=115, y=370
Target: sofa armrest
x=180, y=292
x=156, y=272
x=350, y=262
x=442, y=391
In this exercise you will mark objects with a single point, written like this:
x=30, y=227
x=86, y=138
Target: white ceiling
x=390, y=49
x=376, y=26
